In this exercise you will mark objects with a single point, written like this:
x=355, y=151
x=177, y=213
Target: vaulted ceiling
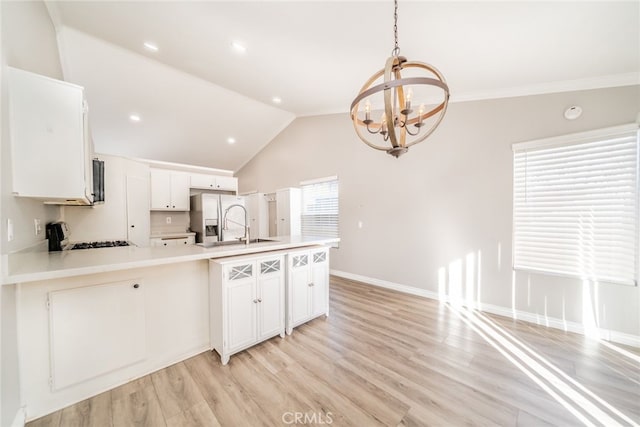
x=196, y=90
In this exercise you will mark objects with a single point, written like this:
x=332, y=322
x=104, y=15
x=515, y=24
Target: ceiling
x=196, y=90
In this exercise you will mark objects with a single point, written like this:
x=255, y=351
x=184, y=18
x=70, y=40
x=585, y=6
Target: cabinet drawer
x=173, y=241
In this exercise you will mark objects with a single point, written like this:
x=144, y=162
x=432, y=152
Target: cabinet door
x=160, y=189
x=180, y=191
x=299, y=287
x=138, y=220
x=241, y=306
x=227, y=183
x=199, y=180
x=47, y=136
x=95, y=330
x=270, y=297
x=320, y=281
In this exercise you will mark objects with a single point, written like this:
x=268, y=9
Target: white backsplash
x=180, y=222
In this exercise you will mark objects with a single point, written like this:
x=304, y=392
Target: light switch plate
x=37, y=227
x=168, y=220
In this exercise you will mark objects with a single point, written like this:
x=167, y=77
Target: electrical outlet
x=37, y=226
x=168, y=219
x=9, y=230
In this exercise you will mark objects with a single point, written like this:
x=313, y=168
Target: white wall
x=449, y=201
x=27, y=41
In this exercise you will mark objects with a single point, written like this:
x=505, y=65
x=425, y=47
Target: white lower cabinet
x=247, y=301
x=307, y=286
x=95, y=330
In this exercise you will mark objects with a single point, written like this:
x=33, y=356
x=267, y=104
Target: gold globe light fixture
x=399, y=128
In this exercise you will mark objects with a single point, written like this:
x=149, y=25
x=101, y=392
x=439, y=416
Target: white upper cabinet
x=169, y=190
x=227, y=183
x=50, y=140
x=213, y=182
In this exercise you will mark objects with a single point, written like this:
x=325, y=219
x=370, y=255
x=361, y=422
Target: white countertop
x=34, y=266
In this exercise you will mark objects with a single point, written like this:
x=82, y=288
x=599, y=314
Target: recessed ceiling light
x=276, y=100
x=231, y=140
x=238, y=47
x=151, y=46
x=134, y=118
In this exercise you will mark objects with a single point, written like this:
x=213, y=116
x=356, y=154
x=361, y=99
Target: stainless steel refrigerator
x=207, y=213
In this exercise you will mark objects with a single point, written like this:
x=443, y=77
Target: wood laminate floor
x=390, y=359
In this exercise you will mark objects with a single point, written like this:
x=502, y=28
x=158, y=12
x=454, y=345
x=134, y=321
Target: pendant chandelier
x=401, y=125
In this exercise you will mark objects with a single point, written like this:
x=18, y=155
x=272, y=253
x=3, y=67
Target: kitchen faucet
x=246, y=222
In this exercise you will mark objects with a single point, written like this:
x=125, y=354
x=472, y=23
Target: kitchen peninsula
x=90, y=320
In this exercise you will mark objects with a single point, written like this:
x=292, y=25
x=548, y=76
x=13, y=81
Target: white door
x=138, y=220
x=271, y=298
x=299, y=286
x=241, y=306
x=283, y=226
x=253, y=211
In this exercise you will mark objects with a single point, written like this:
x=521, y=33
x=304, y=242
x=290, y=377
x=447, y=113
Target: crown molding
x=614, y=80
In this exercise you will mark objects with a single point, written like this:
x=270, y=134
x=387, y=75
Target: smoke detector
x=572, y=112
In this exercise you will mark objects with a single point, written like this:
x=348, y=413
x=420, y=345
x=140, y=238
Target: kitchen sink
x=233, y=243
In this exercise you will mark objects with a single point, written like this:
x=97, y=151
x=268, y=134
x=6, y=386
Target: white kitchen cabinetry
x=173, y=241
x=51, y=149
x=247, y=302
x=307, y=286
x=213, y=182
x=258, y=210
x=169, y=190
x=138, y=204
x=95, y=330
x=288, y=212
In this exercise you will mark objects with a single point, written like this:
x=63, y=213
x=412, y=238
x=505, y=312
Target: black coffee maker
x=58, y=235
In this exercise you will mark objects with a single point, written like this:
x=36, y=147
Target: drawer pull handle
x=310, y=284
x=255, y=301
x=136, y=286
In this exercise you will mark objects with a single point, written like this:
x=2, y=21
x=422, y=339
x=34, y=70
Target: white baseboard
x=20, y=419
x=551, y=322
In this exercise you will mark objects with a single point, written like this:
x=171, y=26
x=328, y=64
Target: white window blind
x=320, y=207
x=575, y=205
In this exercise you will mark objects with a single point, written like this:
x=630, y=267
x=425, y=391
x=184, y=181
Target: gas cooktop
x=94, y=245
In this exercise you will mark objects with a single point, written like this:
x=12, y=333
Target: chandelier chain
x=396, y=49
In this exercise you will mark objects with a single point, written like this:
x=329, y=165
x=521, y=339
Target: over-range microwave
x=94, y=188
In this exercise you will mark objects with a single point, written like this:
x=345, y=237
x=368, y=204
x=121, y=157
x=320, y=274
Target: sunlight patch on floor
x=585, y=405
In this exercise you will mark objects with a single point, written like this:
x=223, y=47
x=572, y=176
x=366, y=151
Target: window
x=320, y=207
x=575, y=205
